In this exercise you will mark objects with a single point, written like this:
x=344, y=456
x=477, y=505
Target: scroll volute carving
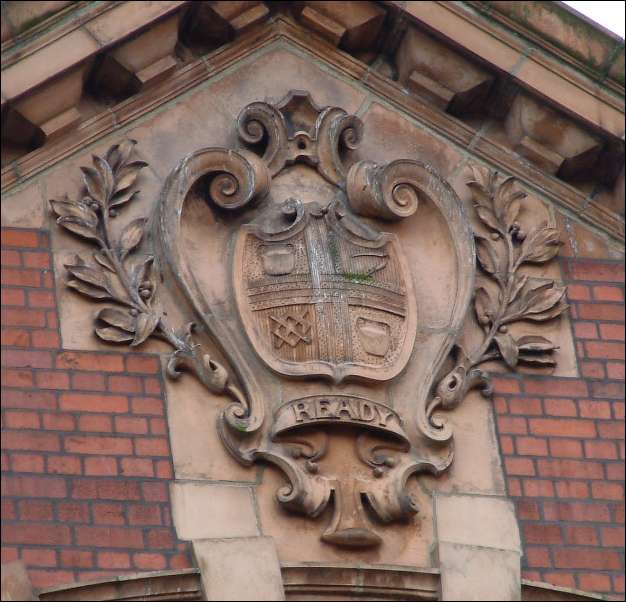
x=296, y=129
x=322, y=291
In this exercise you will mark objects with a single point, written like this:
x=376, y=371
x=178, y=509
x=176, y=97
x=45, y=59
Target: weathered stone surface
x=192, y=414
x=209, y=511
x=15, y=582
x=303, y=433
x=473, y=573
x=239, y=568
x=477, y=520
x=478, y=547
x=25, y=208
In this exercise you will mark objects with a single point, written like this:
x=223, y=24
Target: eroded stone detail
x=297, y=130
x=321, y=292
x=504, y=296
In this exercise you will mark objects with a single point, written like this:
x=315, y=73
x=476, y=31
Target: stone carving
x=132, y=285
x=515, y=297
x=321, y=292
x=296, y=129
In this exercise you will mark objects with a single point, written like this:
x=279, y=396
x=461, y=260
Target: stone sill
x=319, y=581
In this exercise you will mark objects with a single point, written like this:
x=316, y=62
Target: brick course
x=85, y=451
x=562, y=443
x=86, y=458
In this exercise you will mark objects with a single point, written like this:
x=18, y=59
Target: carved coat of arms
x=322, y=293
x=324, y=290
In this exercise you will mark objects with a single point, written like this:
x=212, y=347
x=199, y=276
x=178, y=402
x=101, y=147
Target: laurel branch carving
x=516, y=297
x=114, y=276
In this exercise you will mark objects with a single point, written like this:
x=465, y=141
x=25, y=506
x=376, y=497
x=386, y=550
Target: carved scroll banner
x=325, y=410
x=329, y=292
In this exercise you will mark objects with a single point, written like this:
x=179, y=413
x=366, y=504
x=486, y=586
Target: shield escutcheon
x=321, y=293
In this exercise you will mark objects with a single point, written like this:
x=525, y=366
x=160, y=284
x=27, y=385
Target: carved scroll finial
x=297, y=130
x=504, y=296
x=387, y=191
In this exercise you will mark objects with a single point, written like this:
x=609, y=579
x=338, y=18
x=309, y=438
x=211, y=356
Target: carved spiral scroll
x=388, y=191
x=336, y=132
x=260, y=123
x=237, y=178
x=304, y=493
x=393, y=502
x=284, y=135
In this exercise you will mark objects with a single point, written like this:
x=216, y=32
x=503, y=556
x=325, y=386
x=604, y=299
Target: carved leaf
x=486, y=255
x=79, y=226
x=544, y=298
x=484, y=305
x=76, y=209
x=88, y=290
x=144, y=327
x=541, y=245
x=146, y=274
x=535, y=343
x=121, y=198
x=512, y=211
x=548, y=315
x=508, y=348
x=106, y=176
x=103, y=260
x=539, y=359
x=488, y=218
x=94, y=184
x=480, y=194
x=118, y=155
x=113, y=335
x=518, y=284
x=127, y=175
x=483, y=177
x=537, y=302
x=131, y=236
x=502, y=197
x=89, y=275
x=117, y=317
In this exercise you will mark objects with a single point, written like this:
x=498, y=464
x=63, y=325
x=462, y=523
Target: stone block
x=473, y=520
x=15, y=582
x=207, y=511
x=24, y=208
x=239, y=569
x=445, y=78
x=473, y=573
x=353, y=25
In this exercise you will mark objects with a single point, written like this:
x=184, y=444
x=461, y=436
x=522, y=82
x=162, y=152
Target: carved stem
x=105, y=244
x=480, y=356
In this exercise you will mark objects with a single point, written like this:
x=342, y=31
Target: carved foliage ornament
x=323, y=291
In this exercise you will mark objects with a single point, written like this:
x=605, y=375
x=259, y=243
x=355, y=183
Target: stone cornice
x=82, y=38
x=509, y=53
x=283, y=28
x=304, y=578
x=503, y=50
x=597, y=53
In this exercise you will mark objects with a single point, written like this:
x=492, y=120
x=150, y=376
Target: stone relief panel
x=317, y=309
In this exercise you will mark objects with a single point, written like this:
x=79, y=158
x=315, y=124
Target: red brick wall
x=85, y=450
x=562, y=442
x=86, y=462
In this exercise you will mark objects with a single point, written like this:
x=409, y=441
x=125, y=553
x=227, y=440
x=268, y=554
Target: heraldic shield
x=321, y=292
